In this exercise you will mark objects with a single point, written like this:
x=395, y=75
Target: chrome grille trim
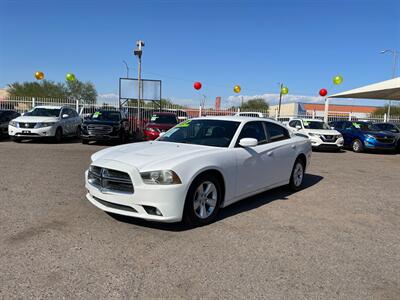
x=26, y=125
x=110, y=181
x=99, y=129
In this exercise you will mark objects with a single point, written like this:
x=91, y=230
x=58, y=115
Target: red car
x=159, y=122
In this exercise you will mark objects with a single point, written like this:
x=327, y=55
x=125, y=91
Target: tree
x=49, y=89
x=255, y=104
x=394, y=110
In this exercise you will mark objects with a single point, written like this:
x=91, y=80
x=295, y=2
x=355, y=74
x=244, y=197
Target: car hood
x=323, y=131
x=150, y=155
x=380, y=133
x=160, y=126
x=100, y=122
x=32, y=119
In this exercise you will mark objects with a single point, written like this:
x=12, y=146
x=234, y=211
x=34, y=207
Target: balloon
x=197, y=85
x=337, y=79
x=284, y=90
x=70, y=77
x=237, y=89
x=39, y=75
x=323, y=92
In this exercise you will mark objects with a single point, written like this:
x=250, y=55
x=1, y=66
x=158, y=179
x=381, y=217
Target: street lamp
x=395, y=53
x=127, y=68
x=138, y=52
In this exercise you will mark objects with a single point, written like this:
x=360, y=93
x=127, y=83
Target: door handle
x=269, y=153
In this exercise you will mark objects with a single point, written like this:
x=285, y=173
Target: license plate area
x=26, y=131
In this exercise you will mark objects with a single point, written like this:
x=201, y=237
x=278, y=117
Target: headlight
x=370, y=136
x=313, y=134
x=160, y=177
x=152, y=129
x=13, y=123
x=41, y=125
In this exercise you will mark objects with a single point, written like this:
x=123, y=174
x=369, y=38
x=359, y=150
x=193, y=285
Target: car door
x=282, y=152
x=66, y=122
x=348, y=133
x=252, y=163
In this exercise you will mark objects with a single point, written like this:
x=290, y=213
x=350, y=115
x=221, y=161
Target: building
x=3, y=93
x=318, y=110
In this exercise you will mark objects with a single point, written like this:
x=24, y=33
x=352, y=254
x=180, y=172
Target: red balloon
x=323, y=92
x=197, y=85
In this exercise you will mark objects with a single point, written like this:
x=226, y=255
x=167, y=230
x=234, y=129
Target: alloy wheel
x=205, y=199
x=298, y=174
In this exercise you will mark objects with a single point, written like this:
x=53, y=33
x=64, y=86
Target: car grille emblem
x=26, y=125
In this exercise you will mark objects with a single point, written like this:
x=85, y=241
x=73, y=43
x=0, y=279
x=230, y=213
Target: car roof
x=243, y=119
x=50, y=106
x=164, y=113
x=307, y=119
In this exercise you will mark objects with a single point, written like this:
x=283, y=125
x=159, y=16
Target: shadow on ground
x=247, y=204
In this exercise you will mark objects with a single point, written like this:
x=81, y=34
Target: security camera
x=138, y=50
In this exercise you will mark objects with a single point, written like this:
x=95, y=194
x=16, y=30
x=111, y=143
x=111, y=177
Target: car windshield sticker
x=356, y=125
x=153, y=118
x=184, y=124
x=170, y=132
x=306, y=123
x=96, y=114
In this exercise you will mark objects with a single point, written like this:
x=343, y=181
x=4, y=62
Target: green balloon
x=70, y=77
x=337, y=79
x=284, y=90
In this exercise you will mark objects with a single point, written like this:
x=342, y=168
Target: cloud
x=273, y=99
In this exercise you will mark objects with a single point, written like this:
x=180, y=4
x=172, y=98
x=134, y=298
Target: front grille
x=108, y=180
x=99, y=129
x=114, y=205
x=329, y=138
x=26, y=125
x=387, y=140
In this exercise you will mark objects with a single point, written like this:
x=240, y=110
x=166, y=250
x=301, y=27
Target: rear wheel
x=203, y=201
x=297, y=176
x=357, y=146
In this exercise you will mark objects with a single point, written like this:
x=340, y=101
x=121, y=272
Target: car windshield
x=44, y=112
x=315, y=125
x=163, y=119
x=388, y=127
x=216, y=133
x=102, y=115
x=364, y=126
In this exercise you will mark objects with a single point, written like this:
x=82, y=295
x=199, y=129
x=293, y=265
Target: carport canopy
x=384, y=90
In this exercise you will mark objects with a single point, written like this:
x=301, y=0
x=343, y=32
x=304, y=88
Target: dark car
x=159, y=122
x=105, y=125
x=6, y=115
x=360, y=136
x=393, y=128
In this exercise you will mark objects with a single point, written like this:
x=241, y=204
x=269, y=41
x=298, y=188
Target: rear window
x=163, y=119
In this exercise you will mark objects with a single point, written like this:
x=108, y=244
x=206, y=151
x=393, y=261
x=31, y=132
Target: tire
x=122, y=138
x=202, y=210
x=16, y=139
x=357, y=146
x=58, y=135
x=78, y=132
x=85, y=142
x=297, y=175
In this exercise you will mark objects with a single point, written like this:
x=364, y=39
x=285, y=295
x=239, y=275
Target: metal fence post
x=33, y=102
x=200, y=111
x=385, y=118
x=349, y=116
x=77, y=106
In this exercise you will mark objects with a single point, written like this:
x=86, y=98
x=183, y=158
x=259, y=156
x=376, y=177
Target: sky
x=221, y=43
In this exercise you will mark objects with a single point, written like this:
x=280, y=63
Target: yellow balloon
x=70, y=77
x=284, y=90
x=237, y=89
x=39, y=75
x=337, y=79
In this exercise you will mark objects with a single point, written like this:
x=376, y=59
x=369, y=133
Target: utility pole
x=280, y=99
x=138, y=52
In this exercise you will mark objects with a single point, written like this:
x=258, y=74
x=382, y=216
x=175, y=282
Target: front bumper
x=168, y=199
x=317, y=143
x=32, y=132
x=99, y=137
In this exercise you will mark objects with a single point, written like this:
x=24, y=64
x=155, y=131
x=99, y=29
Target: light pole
x=280, y=98
x=127, y=68
x=394, y=52
x=138, y=52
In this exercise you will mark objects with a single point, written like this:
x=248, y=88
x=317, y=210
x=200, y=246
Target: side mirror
x=161, y=134
x=64, y=116
x=298, y=127
x=248, y=142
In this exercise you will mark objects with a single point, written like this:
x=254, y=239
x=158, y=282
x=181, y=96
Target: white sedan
x=196, y=168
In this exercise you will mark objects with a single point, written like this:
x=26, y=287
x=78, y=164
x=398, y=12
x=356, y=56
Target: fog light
x=151, y=210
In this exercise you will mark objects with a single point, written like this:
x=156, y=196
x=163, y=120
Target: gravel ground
x=337, y=238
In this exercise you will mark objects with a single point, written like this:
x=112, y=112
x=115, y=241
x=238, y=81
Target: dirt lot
x=337, y=238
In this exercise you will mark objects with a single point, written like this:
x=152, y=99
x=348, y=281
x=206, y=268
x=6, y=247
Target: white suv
x=46, y=121
x=320, y=134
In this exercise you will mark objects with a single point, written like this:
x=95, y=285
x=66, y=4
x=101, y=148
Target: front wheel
x=16, y=139
x=59, y=135
x=202, y=201
x=357, y=146
x=297, y=176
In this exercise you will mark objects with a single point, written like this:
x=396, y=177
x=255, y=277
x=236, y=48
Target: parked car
x=361, y=136
x=196, y=168
x=6, y=115
x=46, y=121
x=320, y=134
x=159, y=122
x=180, y=113
x=105, y=125
x=391, y=127
x=250, y=114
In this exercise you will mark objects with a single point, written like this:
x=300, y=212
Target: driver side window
x=253, y=130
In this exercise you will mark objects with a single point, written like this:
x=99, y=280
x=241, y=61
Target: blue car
x=361, y=136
